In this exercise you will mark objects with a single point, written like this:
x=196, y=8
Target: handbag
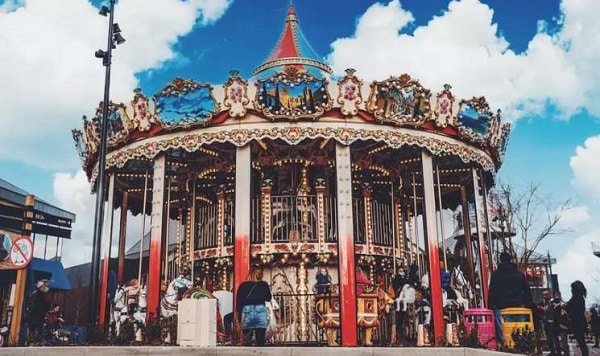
x=271, y=306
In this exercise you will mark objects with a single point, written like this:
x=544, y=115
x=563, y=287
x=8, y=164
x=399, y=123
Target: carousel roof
x=292, y=50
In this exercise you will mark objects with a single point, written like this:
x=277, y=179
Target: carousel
x=335, y=187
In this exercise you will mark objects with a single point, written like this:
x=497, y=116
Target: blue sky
x=536, y=60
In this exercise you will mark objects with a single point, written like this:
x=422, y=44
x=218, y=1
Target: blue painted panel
x=472, y=119
x=185, y=108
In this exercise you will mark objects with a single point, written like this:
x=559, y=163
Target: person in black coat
x=251, y=309
x=576, y=310
x=508, y=288
x=37, y=308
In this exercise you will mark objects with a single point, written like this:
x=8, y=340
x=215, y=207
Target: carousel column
x=122, y=238
x=368, y=218
x=107, y=231
x=157, y=224
x=347, y=272
x=221, y=221
x=320, y=190
x=432, y=247
x=480, y=236
x=265, y=207
x=241, y=245
x=467, y=232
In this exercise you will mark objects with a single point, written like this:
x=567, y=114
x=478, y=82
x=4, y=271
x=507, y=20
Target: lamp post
x=114, y=38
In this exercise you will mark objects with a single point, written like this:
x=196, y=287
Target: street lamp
x=114, y=39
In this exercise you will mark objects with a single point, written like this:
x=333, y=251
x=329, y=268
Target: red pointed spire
x=293, y=49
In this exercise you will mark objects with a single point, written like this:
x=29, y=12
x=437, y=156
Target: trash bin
x=512, y=319
x=483, y=320
x=197, y=322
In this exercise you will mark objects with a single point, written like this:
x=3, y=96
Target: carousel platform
x=244, y=351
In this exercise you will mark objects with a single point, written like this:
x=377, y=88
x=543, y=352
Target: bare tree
x=528, y=216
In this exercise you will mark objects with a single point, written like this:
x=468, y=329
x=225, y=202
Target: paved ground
x=245, y=351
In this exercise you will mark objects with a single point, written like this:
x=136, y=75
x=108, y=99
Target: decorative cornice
x=292, y=135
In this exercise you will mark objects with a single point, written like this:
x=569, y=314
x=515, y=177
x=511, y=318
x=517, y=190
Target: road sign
x=21, y=252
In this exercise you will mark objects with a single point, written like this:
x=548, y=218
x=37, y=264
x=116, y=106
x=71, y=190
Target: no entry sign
x=21, y=252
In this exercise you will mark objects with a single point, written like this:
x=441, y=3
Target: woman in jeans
x=576, y=310
x=250, y=305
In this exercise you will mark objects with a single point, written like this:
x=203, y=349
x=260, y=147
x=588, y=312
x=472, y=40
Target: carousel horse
x=168, y=303
x=406, y=297
x=456, y=300
x=119, y=309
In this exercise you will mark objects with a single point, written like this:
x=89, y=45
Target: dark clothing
x=37, y=307
x=595, y=326
x=509, y=288
x=397, y=283
x=250, y=306
x=252, y=293
x=576, y=310
x=445, y=278
x=547, y=310
x=323, y=283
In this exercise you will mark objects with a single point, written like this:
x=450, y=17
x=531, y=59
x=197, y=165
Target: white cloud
x=586, y=166
x=73, y=194
x=574, y=217
x=464, y=48
x=50, y=76
x=579, y=263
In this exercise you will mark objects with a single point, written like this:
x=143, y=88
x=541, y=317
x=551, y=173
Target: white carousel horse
x=461, y=283
x=406, y=297
x=168, y=303
x=139, y=314
x=460, y=300
x=119, y=309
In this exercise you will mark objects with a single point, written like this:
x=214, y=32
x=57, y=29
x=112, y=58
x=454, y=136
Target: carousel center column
x=347, y=273
x=241, y=263
x=432, y=248
x=156, y=232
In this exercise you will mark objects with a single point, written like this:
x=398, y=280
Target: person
x=132, y=292
x=445, y=278
x=361, y=281
x=561, y=320
x=323, y=284
x=595, y=325
x=37, y=308
x=508, y=288
x=250, y=306
x=54, y=318
x=576, y=311
x=546, y=309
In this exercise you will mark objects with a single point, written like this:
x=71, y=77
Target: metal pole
x=439, y=184
x=168, y=234
x=394, y=234
x=100, y=181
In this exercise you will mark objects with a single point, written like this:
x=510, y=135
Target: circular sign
x=21, y=252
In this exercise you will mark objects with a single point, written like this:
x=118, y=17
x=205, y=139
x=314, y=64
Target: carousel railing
x=207, y=235
x=294, y=218
x=382, y=224
x=297, y=322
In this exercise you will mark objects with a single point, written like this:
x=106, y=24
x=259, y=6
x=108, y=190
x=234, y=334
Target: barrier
x=514, y=318
x=483, y=320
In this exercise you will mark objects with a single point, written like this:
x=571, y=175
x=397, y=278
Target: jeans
x=498, y=321
x=551, y=337
x=254, y=318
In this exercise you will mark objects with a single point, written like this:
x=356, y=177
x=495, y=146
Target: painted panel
x=184, y=103
x=292, y=94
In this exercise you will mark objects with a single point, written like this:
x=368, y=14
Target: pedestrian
x=251, y=309
x=508, y=288
x=546, y=309
x=563, y=325
x=595, y=325
x=36, y=310
x=576, y=310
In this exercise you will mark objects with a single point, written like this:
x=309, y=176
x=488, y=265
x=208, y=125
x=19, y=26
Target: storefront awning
x=51, y=270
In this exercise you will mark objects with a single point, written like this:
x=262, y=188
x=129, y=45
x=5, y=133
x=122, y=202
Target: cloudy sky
x=537, y=60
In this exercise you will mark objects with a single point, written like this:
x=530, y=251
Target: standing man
x=547, y=310
x=36, y=310
x=508, y=288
